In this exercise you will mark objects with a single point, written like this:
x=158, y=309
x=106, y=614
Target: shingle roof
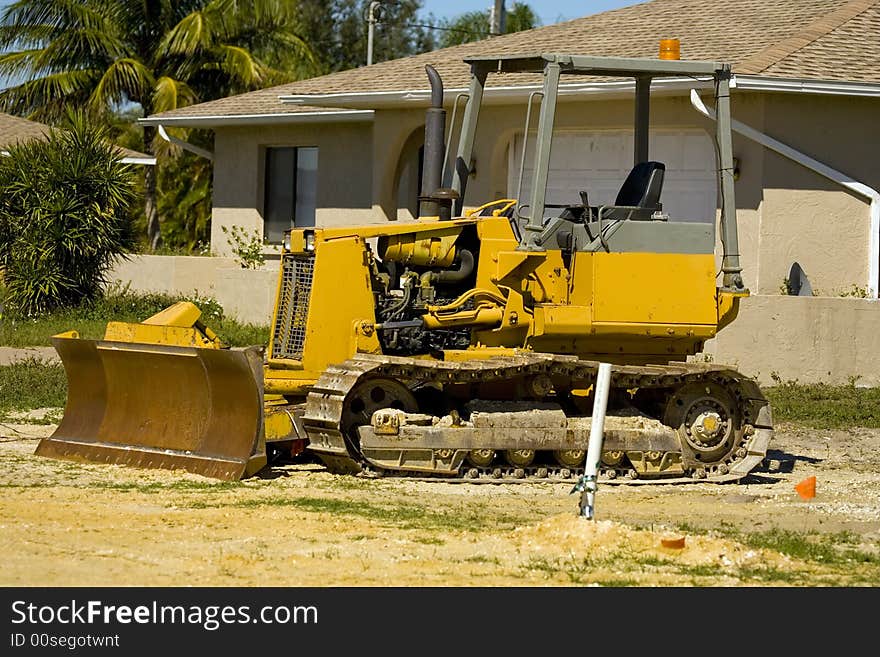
x=14, y=129
x=851, y=49
x=803, y=39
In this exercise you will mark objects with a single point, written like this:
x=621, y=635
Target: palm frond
x=240, y=65
x=124, y=79
x=47, y=96
x=169, y=94
x=20, y=37
x=75, y=46
x=191, y=34
x=19, y=63
x=45, y=17
x=289, y=51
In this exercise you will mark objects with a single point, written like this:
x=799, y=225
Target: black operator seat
x=639, y=196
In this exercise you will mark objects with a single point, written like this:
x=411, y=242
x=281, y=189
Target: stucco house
x=344, y=148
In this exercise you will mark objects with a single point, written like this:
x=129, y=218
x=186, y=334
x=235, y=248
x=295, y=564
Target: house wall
x=806, y=217
x=345, y=153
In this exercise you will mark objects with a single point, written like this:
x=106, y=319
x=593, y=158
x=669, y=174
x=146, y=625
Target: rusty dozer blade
x=155, y=406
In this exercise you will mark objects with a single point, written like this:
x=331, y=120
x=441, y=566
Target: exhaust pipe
x=435, y=147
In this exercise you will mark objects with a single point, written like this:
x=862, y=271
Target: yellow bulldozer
x=464, y=345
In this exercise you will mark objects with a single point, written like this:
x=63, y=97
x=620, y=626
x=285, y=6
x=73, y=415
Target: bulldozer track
x=326, y=403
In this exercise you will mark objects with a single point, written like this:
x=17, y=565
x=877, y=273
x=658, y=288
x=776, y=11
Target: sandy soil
x=66, y=524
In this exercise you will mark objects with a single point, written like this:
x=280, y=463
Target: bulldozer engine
x=468, y=343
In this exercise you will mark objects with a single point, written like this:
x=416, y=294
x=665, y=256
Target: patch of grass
x=648, y=560
x=235, y=334
x=589, y=570
x=36, y=332
x=146, y=488
x=550, y=567
x=51, y=416
x=576, y=570
x=772, y=575
x=838, y=552
x=399, y=515
x=329, y=554
x=482, y=558
x=31, y=383
x=830, y=549
x=698, y=570
x=617, y=582
x=823, y=548
x=121, y=305
x=428, y=540
x=824, y=406
x=351, y=483
x=180, y=485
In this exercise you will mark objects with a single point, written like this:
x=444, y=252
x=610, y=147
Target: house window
x=291, y=190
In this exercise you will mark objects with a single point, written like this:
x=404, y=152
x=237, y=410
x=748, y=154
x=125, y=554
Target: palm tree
x=158, y=54
x=474, y=25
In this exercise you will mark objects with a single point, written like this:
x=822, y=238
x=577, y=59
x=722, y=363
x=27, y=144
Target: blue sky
x=549, y=11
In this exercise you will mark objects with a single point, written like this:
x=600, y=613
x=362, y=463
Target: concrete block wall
x=246, y=294
x=808, y=339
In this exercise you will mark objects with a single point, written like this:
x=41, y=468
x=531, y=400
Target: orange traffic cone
x=807, y=488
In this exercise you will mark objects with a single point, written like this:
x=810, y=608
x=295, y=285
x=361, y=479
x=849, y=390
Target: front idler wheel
x=708, y=422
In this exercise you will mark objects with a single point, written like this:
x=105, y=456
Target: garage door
x=599, y=161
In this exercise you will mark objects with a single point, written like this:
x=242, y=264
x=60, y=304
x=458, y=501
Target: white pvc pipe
x=185, y=145
x=822, y=169
x=594, y=449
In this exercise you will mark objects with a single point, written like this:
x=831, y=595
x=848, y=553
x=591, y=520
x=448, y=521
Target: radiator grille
x=293, y=306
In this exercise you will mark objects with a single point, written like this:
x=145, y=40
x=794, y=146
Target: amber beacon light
x=670, y=49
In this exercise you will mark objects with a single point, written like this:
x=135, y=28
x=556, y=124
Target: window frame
x=294, y=184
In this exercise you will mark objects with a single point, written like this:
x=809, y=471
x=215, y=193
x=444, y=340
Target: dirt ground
x=72, y=524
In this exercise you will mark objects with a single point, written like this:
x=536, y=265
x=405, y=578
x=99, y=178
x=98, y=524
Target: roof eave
x=496, y=95
x=361, y=106
x=803, y=86
x=222, y=120
x=583, y=90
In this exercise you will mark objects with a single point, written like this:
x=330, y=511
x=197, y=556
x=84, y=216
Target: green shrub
x=246, y=246
x=64, y=217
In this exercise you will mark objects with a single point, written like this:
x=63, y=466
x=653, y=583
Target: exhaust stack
x=435, y=147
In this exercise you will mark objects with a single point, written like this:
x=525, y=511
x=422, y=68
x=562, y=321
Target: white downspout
x=185, y=145
x=823, y=170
